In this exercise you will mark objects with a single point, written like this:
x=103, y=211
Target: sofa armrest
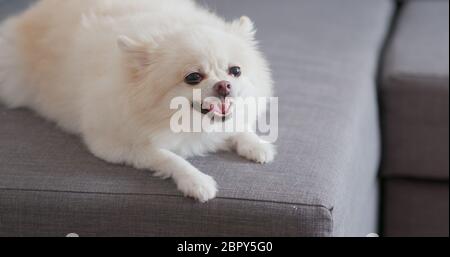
x=415, y=93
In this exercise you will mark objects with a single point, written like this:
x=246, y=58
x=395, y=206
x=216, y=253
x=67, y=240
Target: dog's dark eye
x=193, y=78
x=235, y=71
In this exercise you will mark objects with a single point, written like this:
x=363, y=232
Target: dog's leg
x=250, y=146
x=166, y=164
x=163, y=163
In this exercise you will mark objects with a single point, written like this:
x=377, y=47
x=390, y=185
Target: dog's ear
x=138, y=52
x=245, y=27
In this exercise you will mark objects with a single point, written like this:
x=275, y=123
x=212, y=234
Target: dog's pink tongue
x=221, y=107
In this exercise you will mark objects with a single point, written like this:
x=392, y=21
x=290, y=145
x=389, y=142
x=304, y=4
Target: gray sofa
x=326, y=57
x=415, y=119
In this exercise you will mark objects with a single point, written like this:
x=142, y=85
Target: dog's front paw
x=260, y=152
x=199, y=186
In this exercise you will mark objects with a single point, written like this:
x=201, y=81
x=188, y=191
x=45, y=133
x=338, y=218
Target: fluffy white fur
x=107, y=70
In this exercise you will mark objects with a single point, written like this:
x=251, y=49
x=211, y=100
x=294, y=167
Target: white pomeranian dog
x=107, y=70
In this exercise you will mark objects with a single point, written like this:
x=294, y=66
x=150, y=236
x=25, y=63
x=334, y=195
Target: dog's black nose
x=223, y=88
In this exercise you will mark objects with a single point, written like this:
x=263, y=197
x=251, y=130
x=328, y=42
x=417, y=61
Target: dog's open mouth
x=221, y=108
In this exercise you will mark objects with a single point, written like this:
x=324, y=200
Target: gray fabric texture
x=9, y=7
x=415, y=93
x=324, y=55
x=44, y=213
x=415, y=208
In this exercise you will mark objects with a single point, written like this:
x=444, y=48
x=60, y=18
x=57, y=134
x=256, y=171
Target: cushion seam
x=407, y=77
x=167, y=195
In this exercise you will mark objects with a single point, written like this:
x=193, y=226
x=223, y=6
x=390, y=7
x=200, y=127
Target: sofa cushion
x=415, y=208
x=415, y=93
x=323, y=182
